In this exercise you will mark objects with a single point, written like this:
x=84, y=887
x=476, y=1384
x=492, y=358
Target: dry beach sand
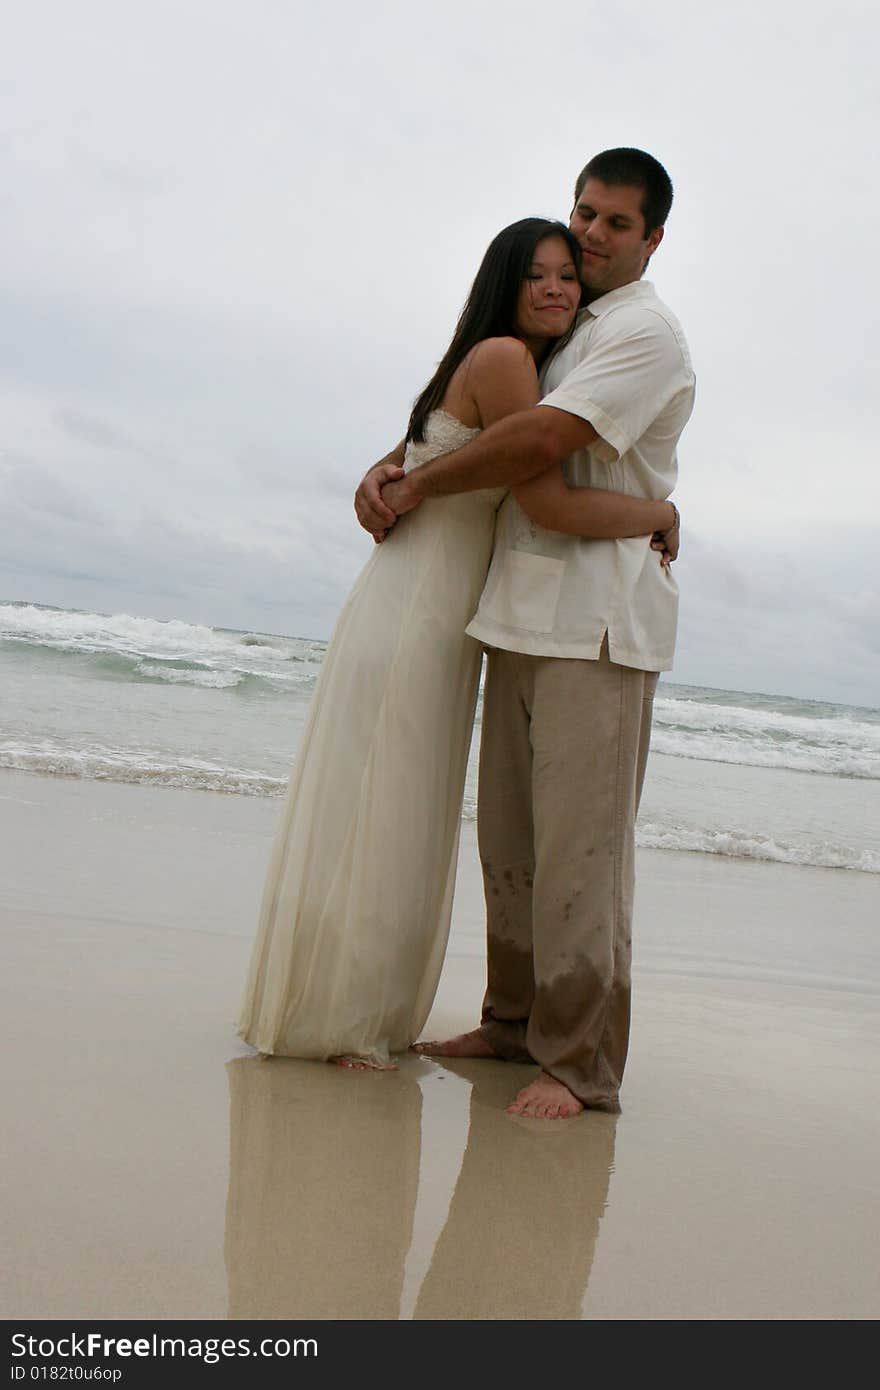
x=154, y=1168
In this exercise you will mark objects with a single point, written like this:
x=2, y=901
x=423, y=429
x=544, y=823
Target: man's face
x=608, y=222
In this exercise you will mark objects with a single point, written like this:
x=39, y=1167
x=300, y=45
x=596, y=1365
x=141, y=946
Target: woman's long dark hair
x=490, y=308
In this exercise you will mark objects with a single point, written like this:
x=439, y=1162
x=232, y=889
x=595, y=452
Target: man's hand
x=401, y=496
x=667, y=543
x=372, y=511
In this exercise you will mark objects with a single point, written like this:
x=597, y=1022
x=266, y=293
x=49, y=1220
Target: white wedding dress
x=358, y=897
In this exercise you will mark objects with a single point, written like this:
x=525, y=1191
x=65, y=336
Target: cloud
x=795, y=616
x=217, y=306
x=94, y=431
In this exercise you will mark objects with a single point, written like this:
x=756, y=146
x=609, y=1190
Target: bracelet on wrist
x=676, y=522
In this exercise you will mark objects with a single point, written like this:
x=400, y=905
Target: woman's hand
x=667, y=543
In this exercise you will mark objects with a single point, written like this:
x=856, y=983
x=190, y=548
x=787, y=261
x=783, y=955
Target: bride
x=358, y=896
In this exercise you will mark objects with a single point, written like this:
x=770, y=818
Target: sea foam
x=177, y=704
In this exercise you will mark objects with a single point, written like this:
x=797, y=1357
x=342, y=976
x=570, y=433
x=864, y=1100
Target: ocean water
x=121, y=698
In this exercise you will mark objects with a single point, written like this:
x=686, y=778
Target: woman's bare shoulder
x=501, y=354
x=497, y=378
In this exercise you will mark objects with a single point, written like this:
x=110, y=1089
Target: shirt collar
x=636, y=289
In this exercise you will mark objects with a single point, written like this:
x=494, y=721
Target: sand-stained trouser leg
x=564, y=748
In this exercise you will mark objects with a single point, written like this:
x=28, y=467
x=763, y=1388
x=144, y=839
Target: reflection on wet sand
x=522, y=1225
x=324, y=1172
x=323, y=1176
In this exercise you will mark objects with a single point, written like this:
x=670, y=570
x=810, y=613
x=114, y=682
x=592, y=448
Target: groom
x=576, y=632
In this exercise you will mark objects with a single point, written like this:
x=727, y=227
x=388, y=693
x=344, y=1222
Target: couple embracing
x=524, y=514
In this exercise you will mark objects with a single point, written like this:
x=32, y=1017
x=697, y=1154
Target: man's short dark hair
x=636, y=169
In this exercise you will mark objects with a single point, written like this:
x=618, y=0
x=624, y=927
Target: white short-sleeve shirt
x=627, y=371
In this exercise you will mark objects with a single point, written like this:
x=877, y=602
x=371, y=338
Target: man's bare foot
x=546, y=1099
x=364, y=1063
x=471, y=1044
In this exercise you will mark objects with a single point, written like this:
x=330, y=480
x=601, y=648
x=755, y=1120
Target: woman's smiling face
x=550, y=294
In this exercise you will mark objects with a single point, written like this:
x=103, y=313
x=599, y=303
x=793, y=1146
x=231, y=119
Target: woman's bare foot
x=364, y=1063
x=546, y=1099
x=471, y=1044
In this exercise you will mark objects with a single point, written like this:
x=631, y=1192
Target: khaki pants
x=564, y=748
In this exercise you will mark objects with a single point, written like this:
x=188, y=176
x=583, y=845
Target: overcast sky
x=236, y=237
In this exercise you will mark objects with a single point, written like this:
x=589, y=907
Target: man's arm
x=507, y=453
x=499, y=380
x=371, y=511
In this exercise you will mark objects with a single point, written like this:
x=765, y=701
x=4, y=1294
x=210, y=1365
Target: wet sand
x=156, y=1169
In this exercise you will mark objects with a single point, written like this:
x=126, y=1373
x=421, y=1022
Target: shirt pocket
x=527, y=592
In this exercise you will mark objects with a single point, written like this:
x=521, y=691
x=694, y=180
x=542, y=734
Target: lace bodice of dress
x=443, y=434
